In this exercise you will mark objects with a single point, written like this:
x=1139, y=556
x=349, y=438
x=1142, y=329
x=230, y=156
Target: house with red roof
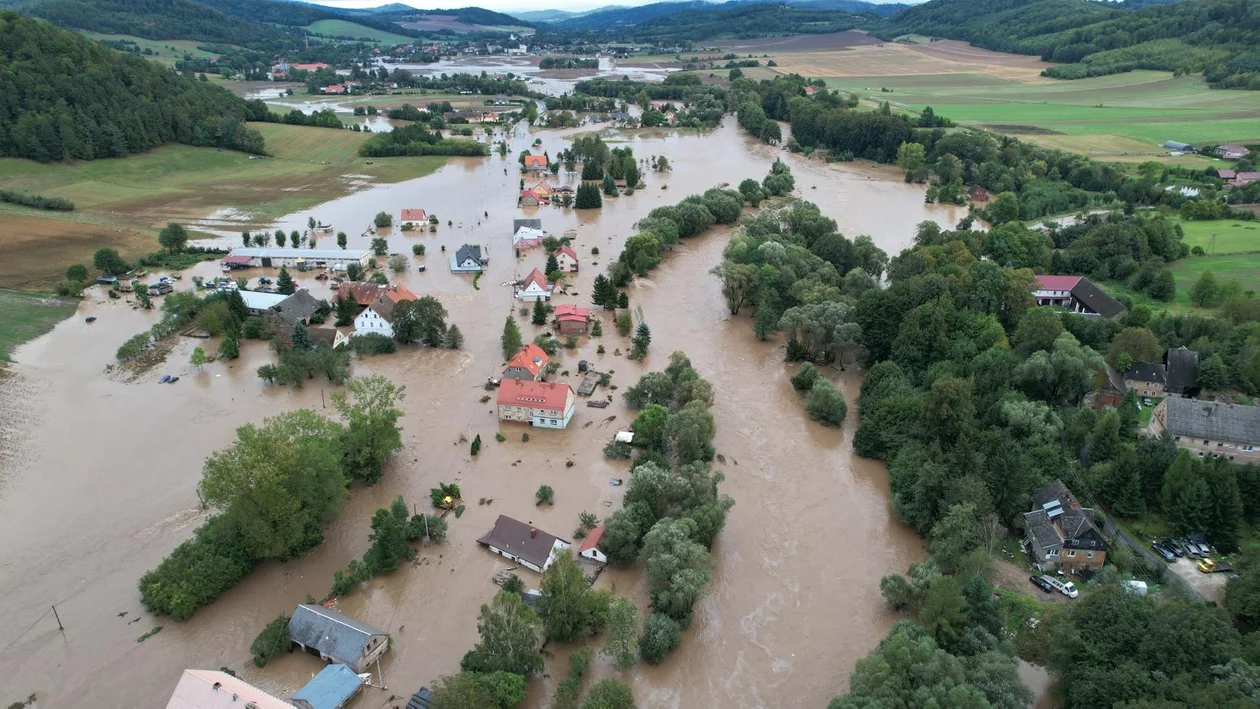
x=535, y=287
x=541, y=404
x=536, y=163
x=334, y=89
x=528, y=364
x=1245, y=178
x=1226, y=174
x=530, y=198
x=567, y=258
x=572, y=319
x=590, y=546
x=309, y=67
x=416, y=216
x=1076, y=294
x=378, y=318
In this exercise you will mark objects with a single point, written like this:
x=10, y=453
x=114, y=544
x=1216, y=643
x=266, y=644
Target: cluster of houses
x=348, y=647
x=543, y=192
x=1234, y=178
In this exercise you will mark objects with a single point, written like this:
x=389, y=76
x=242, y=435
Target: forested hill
x=743, y=22
x=158, y=19
x=66, y=97
x=1220, y=38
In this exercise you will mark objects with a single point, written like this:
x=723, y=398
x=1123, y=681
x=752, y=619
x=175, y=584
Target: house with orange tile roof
x=534, y=287
x=415, y=216
x=567, y=258
x=378, y=318
x=542, y=189
x=528, y=364
x=530, y=198
x=536, y=163
x=363, y=292
x=541, y=404
x=590, y=546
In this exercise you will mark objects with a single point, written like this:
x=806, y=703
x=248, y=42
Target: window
x=1054, y=552
x=1247, y=448
x=1071, y=553
x=1089, y=555
x=1207, y=442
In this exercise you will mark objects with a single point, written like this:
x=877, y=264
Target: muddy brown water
x=99, y=474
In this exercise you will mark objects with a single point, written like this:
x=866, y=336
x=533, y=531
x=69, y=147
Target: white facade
x=533, y=291
x=594, y=554
x=567, y=263
x=527, y=237
x=556, y=547
x=276, y=257
x=370, y=322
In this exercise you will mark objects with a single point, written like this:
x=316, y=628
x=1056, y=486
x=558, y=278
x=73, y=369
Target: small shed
x=590, y=546
x=332, y=688
x=624, y=437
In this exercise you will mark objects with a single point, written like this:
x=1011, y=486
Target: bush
x=383, y=219
x=545, y=495
x=661, y=634
x=273, y=638
x=417, y=249
x=804, y=379
x=618, y=450
x=196, y=573
x=398, y=263
x=826, y=405
x=253, y=328
x=372, y=344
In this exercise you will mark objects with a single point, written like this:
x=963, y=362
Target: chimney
x=533, y=532
x=216, y=686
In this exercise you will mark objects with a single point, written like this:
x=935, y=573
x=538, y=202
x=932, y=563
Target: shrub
x=804, y=379
x=372, y=343
x=383, y=219
x=499, y=437
x=253, y=329
x=618, y=450
x=417, y=249
x=826, y=405
x=273, y=638
x=398, y=263
x=661, y=634
x=545, y=495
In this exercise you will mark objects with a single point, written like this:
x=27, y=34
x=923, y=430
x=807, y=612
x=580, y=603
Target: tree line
x=416, y=139
x=71, y=98
x=274, y=490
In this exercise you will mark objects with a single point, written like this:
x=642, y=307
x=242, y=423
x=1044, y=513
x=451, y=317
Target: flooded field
x=98, y=476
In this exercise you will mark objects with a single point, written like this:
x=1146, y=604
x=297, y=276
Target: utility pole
x=58, y=617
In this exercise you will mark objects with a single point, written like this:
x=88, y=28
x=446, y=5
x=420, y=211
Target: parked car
x=1164, y=552
x=1067, y=588
x=1146, y=401
x=1191, y=550
x=1173, y=546
x=1041, y=583
x=1208, y=566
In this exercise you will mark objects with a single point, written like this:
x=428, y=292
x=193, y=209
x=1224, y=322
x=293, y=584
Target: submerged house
x=590, y=546
x=468, y=259
x=523, y=543
x=414, y=216
x=215, y=689
x=334, y=637
x=572, y=319
x=534, y=287
x=378, y=318
x=541, y=404
x=530, y=364
x=527, y=237
x=567, y=258
x=536, y=163
x=332, y=688
x=1059, y=533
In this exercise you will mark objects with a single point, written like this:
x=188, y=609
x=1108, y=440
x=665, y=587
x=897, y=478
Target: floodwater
x=98, y=474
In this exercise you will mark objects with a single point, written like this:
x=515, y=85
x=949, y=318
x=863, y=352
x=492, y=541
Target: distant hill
x=743, y=21
x=1220, y=38
x=159, y=19
x=78, y=99
x=618, y=16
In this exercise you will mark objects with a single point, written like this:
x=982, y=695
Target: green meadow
x=1232, y=236
x=342, y=28
x=29, y=315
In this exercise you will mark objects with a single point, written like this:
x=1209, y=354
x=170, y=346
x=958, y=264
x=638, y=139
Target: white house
x=300, y=258
x=590, y=546
x=522, y=543
x=534, y=287
x=378, y=318
x=567, y=258
x=527, y=238
x=468, y=259
x=541, y=404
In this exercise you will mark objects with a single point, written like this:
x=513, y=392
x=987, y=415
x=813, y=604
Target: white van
x=1067, y=588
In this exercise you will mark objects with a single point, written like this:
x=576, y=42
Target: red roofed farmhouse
x=414, y=215
x=572, y=319
x=540, y=404
x=536, y=163
x=590, y=546
x=528, y=364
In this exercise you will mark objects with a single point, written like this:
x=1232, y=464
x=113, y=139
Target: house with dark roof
x=1060, y=534
x=334, y=637
x=1178, y=146
x=1109, y=388
x=468, y=259
x=1145, y=378
x=1076, y=294
x=1182, y=377
x=523, y=543
x=1207, y=428
x=297, y=308
x=531, y=223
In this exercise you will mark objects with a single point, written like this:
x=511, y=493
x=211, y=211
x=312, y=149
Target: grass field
x=342, y=28
x=1244, y=268
x=1233, y=236
x=121, y=202
x=1124, y=117
x=165, y=50
x=29, y=315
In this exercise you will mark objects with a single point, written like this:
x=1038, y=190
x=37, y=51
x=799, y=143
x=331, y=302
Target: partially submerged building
x=250, y=257
x=378, y=318
x=523, y=543
x=542, y=404
x=468, y=259
x=529, y=364
x=215, y=689
x=334, y=637
x=332, y=688
x=534, y=287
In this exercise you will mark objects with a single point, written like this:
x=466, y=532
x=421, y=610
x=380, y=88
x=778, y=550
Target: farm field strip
x=334, y=28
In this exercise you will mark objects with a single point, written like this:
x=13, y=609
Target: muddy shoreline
x=104, y=484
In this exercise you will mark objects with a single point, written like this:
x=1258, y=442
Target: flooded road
x=99, y=475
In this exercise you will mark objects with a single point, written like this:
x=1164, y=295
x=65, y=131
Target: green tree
x=1063, y=375
x=805, y=377
x=955, y=536
x=1138, y=343
x=341, y=239
x=1205, y=292
x=454, y=339
x=382, y=220
x=479, y=690
x=649, y=427
x=621, y=642
x=284, y=282
x=1213, y=374
x=229, y=347
x=570, y=608
x=642, y=339
x=588, y=197
x=609, y=693
x=944, y=611
x=661, y=634
x=281, y=238
x=826, y=405
x=511, y=338
x=910, y=157
x=273, y=638
x=677, y=567
x=390, y=537
x=604, y=294
x=1004, y=209
x=301, y=338
x=623, y=300
x=511, y=635
x=173, y=237
x=369, y=408
x=1187, y=498
x=540, y=313
x=108, y=261
x=421, y=320
x=278, y=484
x=77, y=272
x=198, y=358
x=739, y=283
x=345, y=308
x=380, y=246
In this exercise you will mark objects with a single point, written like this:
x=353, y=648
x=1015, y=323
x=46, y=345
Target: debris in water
x=611, y=418
x=484, y=399
x=721, y=458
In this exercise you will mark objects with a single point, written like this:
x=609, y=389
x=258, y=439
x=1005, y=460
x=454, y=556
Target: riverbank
x=28, y=316
x=798, y=562
x=122, y=202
